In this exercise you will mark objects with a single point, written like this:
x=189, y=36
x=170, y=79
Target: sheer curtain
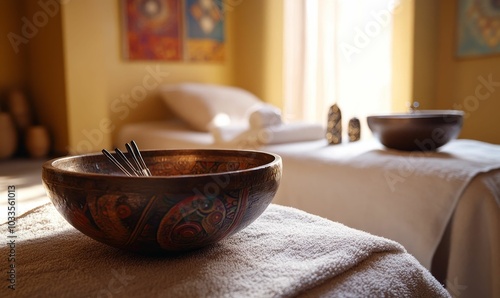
x=337, y=51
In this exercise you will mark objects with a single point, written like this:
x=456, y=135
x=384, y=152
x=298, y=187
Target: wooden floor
x=26, y=176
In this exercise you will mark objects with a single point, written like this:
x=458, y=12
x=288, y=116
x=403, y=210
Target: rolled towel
x=265, y=116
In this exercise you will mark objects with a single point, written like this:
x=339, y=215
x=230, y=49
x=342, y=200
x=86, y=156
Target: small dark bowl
x=195, y=197
x=416, y=131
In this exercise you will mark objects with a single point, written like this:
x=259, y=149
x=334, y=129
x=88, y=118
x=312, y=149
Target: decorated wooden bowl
x=194, y=198
x=425, y=130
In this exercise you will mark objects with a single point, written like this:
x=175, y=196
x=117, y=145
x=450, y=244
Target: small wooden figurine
x=334, y=127
x=354, y=130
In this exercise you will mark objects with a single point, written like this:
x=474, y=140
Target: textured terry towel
x=284, y=253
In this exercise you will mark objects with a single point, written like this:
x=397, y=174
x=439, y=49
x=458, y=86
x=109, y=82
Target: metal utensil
x=137, y=156
x=139, y=170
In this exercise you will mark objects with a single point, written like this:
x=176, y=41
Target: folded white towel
x=242, y=136
x=291, y=132
x=265, y=116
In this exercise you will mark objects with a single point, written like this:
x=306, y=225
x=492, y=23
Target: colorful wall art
x=478, y=25
x=204, y=30
x=173, y=30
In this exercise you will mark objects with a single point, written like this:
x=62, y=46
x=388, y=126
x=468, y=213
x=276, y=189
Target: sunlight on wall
x=337, y=52
x=365, y=59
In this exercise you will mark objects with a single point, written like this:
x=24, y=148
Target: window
x=337, y=51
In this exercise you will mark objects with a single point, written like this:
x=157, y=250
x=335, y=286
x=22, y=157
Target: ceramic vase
x=20, y=110
x=37, y=141
x=8, y=136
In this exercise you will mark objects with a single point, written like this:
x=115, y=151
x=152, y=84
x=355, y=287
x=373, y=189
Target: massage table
x=443, y=207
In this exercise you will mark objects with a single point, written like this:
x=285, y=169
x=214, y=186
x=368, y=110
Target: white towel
x=265, y=116
x=241, y=136
x=284, y=253
x=291, y=132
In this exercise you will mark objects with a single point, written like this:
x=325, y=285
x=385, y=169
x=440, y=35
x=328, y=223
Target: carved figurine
x=334, y=127
x=354, y=130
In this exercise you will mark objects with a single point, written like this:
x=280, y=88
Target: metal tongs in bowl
x=140, y=169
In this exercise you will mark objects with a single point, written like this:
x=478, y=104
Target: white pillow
x=200, y=104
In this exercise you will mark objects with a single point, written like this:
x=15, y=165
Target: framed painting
x=478, y=24
x=204, y=25
x=152, y=30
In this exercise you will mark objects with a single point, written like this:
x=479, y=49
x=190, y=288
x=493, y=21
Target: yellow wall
x=86, y=78
x=402, y=56
x=13, y=65
x=79, y=77
x=426, y=69
x=124, y=76
x=97, y=77
x=34, y=63
x=425, y=43
x=46, y=75
x=459, y=78
x=415, y=40
x=76, y=73
x=258, y=45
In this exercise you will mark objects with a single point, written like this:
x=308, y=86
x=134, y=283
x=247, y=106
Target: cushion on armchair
x=200, y=104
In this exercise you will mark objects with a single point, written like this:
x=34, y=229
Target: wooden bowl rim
x=419, y=114
x=49, y=166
